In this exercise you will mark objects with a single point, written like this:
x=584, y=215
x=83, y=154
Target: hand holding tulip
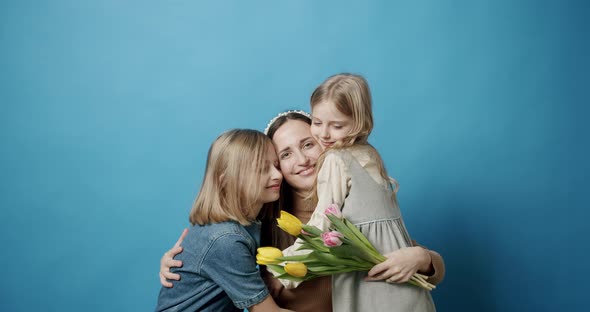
x=400, y=265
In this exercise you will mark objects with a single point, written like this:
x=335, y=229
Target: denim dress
x=219, y=270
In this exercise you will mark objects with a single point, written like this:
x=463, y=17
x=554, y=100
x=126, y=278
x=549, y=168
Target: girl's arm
x=333, y=184
x=168, y=262
x=401, y=264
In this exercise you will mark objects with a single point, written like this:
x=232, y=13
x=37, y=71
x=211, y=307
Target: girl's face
x=328, y=124
x=271, y=178
x=297, y=152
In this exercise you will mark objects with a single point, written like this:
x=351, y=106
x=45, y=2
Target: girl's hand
x=168, y=262
x=401, y=265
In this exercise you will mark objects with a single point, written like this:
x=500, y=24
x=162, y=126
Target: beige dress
x=350, y=178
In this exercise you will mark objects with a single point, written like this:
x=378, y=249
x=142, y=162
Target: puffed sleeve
x=333, y=184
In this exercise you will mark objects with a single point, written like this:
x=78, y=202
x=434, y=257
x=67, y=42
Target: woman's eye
x=308, y=145
x=285, y=155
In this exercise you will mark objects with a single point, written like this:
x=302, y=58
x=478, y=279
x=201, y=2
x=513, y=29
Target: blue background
x=108, y=109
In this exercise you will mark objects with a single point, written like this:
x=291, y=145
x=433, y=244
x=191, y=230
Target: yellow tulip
x=296, y=269
x=289, y=223
x=268, y=255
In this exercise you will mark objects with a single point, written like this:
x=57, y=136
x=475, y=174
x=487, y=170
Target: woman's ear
x=221, y=176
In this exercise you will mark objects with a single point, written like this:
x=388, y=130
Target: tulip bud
x=332, y=239
x=334, y=210
x=268, y=255
x=296, y=269
x=289, y=223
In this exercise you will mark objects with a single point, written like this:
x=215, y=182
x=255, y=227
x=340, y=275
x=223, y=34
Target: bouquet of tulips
x=343, y=248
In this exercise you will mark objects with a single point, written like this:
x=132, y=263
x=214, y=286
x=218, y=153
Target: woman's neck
x=302, y=206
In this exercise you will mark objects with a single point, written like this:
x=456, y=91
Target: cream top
x=333, y=185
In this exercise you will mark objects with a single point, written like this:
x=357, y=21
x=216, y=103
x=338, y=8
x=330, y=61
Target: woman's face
x=297, y=152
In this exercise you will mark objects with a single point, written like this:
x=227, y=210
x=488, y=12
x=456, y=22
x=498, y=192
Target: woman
x=298, y=152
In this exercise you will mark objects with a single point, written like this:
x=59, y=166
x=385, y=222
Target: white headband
x=272, y=121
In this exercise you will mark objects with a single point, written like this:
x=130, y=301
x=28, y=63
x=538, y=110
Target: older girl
x=219, y=272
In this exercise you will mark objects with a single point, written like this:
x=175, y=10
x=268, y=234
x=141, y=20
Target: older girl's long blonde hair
x=351, y=95
x=231, y=185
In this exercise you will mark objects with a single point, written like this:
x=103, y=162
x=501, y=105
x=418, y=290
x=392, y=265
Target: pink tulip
x=332, y=239
x=334, y=210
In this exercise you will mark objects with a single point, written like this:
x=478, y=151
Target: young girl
x=352, y=175
x=219, y=272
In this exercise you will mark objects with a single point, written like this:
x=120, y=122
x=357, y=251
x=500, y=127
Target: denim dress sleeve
x=231, y=263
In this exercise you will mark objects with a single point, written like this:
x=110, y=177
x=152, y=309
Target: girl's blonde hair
x=351, y=95
x=230, y=188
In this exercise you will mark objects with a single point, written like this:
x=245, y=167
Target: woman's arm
x=168, y=262
x=274, y=285
x=267, y=305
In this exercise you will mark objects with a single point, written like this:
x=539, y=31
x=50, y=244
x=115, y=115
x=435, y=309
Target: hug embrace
x=301, y=164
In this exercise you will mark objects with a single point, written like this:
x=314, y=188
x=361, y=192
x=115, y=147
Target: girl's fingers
x=395, y=278
x=377, y=269
x=381, y=275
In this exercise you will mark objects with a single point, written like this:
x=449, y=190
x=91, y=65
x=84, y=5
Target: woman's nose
x=302, y=159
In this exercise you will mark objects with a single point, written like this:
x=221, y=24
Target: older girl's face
x=298, y=152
